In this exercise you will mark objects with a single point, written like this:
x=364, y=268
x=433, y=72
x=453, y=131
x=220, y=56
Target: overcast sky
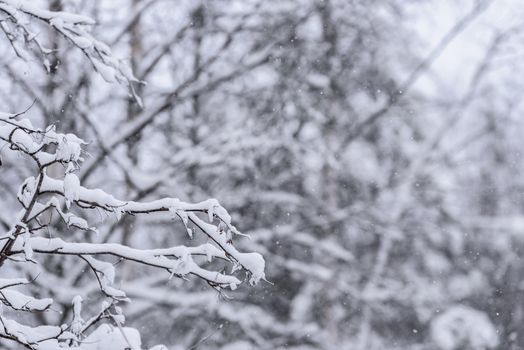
x=455, y=65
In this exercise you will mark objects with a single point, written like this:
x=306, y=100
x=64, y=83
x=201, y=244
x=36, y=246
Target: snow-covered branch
x=73, y=27
x=42, y=194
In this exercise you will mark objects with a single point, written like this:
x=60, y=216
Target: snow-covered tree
x=54, y=193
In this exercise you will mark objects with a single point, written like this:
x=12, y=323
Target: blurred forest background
x=372, y=149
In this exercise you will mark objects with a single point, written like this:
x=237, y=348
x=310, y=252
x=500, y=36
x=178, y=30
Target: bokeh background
x=372, y=149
